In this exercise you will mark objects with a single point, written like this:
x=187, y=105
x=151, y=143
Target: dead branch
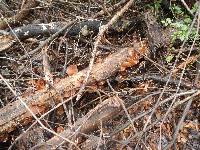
x=190, y=60
x=41, y=101
x=88, y=126
x=122, y=127
x=42, y=29
x=110, y=9
x=191, y=94
x=160, y=79
x=71, y=29
x=180, y=123
x=5, y=22
x=85, y=28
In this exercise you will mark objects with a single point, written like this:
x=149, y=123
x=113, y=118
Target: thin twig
x=102, y=30
x=180, y=124
x=188, y=9
x=49, y=39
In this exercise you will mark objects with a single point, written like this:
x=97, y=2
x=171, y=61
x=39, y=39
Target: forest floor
x=112, y=74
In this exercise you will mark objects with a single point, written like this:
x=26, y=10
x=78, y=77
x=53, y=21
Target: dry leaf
x=40, y=84
x=182, y=138
x=71, y=70
x=190, y=125
x=60, y=111
x=93, y=87
x=59, y=129
x=158, y=114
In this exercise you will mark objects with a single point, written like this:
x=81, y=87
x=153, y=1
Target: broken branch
x=41, y=101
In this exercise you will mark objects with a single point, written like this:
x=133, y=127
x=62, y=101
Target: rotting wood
x=108, y=109
x=102, y=112
x=41, y=101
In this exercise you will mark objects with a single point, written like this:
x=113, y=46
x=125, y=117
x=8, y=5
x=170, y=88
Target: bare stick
x=110, y=9
x=170, y=75
x=188, y=9
x=180, y=124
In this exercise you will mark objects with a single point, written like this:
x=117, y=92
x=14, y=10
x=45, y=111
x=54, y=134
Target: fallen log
x=90, y=122
x=84, y=28
x=39, y=102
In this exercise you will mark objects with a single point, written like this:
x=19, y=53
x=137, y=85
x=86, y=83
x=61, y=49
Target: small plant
x=155, y=6
x=169, y=58
x=181, y=24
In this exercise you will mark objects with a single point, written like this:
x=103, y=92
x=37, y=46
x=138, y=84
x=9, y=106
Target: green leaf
x=169, y=58
x=187, y=20
x=194, y=8
x=169, y=20
x=177, y=10
x=184, y=27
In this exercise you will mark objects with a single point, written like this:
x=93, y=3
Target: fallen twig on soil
x=102, y=31
x=110, y=9
x=190, y=60
x=160, y=79
x=194, y=93
x=5, y=22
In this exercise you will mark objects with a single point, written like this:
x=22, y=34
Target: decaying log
x=90, y=122
x=19, y=16
x=92, y=141
x=43, y=100
x=85, y=28
x=42, y=29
